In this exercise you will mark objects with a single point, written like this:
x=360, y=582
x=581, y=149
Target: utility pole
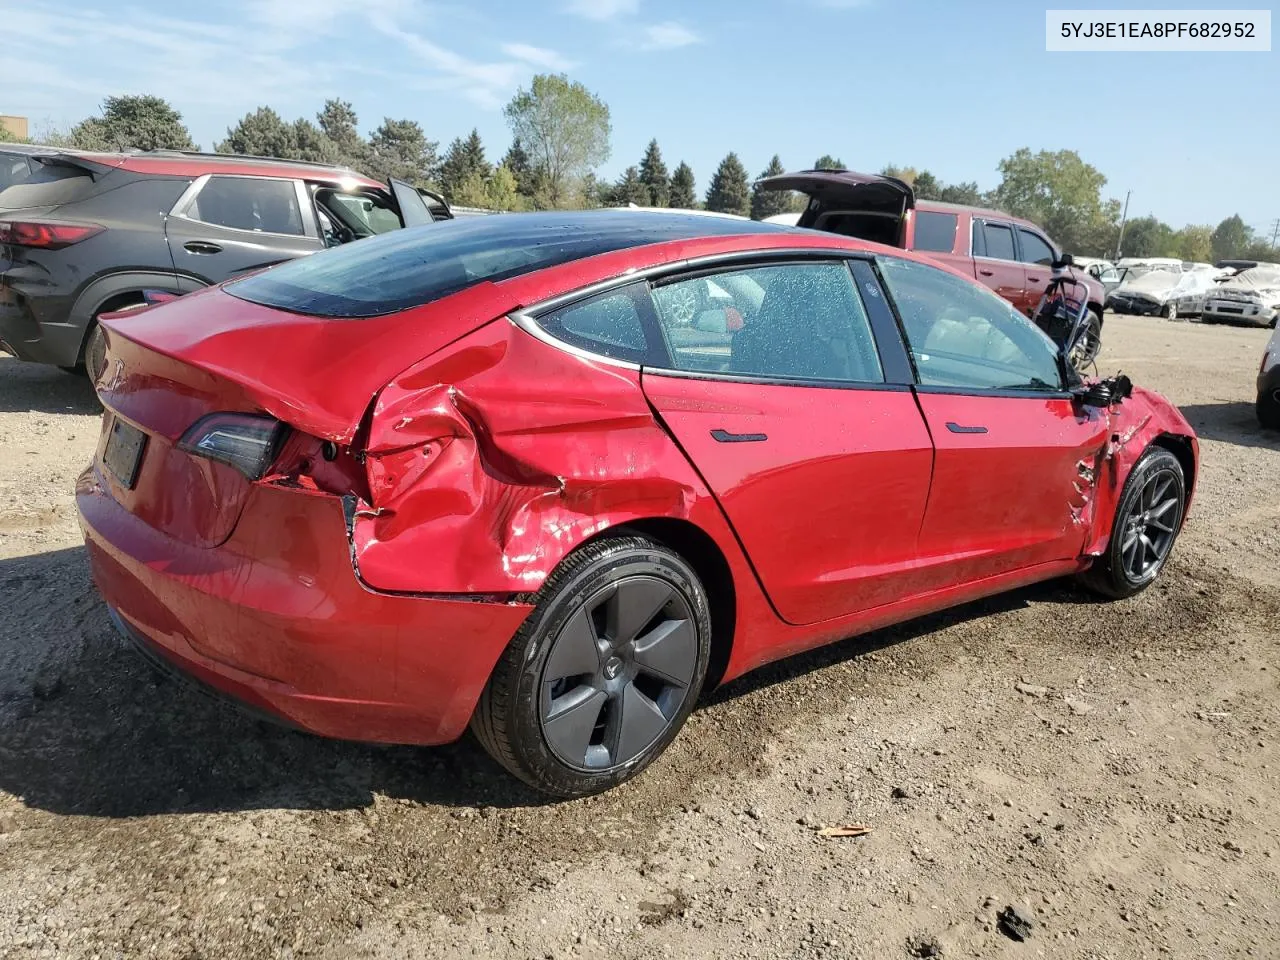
x=1123, y=217
x=1275, y=231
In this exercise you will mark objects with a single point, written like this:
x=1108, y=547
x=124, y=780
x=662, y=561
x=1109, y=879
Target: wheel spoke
x=575, y=652
x=571, y=720
x=633, y=605
x=669, y=652
x=1129, y=555
x=1148, y=548
x=634, y=722
x=1160, y=509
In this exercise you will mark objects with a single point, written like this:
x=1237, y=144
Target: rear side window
x=13, y=169
x=608, y=324
x=999, y=240
x=935, y=232
x=249, y=203
x=802, y=321
x=50, y=184
x=1034, y=249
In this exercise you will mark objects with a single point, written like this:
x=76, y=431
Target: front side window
x=964, y=336
x=799, y=321
x=249, y=203
x=935, y=232
x=999, y=239
x=1034, y=248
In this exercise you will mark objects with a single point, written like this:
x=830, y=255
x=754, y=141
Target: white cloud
x=602, y=9
x=668, y=35
x=538, y=56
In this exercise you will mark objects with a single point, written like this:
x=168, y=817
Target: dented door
x=1013, y=479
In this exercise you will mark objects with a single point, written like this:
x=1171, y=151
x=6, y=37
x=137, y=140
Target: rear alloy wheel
x=1147, y=522
x=1085, y=352
x=603, y=674
x=1171, y=311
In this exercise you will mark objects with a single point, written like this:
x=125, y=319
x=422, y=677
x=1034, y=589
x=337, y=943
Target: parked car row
x=90, y=233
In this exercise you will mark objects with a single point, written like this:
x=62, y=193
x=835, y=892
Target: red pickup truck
x=1011, y=256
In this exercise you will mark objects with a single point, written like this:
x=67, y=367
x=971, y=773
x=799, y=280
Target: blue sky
x=948, y=86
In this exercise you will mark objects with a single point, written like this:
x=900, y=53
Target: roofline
x=247, y=157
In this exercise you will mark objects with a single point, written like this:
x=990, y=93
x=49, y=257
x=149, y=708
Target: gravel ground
x=1108, y=769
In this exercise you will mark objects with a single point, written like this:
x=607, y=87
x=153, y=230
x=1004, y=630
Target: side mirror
x=1064, y=260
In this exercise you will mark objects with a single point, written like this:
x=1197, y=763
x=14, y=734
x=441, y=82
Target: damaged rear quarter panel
x=489, y=462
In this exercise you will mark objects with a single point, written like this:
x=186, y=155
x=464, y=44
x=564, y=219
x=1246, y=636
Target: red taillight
x=248, y=443
x=45, y=235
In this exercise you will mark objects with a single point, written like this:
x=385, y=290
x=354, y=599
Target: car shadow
x=1230, y=421
x=37, y=388
x=88, y=727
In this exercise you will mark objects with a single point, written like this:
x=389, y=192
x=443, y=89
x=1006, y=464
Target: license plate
x=123, y=455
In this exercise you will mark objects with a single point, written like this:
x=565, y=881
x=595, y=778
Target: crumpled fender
x=492, y=460
x=1136, y=423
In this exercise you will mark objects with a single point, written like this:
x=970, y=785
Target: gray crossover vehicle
x=86, y=234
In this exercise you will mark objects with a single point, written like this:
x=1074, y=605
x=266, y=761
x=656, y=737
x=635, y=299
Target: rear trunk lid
x=864, y=205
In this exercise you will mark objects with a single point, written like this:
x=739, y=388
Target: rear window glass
x=48, y=185
x=407, y=268
x=935, y=232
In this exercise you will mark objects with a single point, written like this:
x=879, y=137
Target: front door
x=1015, y=455
x=778, y=394
x=996, y=261
x=226, y=226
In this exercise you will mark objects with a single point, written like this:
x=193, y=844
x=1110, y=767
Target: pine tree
x=770, y=203
x=729, y=191
x=683, y=189
x=828, y=162
x=653, y=174
x=630, y=189
x=462, y=160
x=338, y=120
x=521, y=167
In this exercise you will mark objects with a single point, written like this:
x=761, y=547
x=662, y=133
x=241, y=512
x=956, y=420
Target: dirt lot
x=1126, y=797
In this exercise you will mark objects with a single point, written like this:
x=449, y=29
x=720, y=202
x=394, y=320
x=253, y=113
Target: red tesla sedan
x=552, y=475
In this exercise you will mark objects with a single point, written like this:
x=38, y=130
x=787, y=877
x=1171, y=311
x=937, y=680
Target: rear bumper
x=276, y=618
x=28, y=337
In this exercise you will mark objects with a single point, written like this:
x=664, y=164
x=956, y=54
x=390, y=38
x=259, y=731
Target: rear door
x=223, y=226
x=995, y=255
x=788, y=391
x=1015, y=456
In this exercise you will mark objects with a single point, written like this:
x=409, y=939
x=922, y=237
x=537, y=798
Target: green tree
x=683, y=188
x=261, y=133
x=1061, y=193
x=1148, y=237
x=906, y=174
x=400, y=149
x=504, y=190
x=653, y=174
x=729, y=191
x=311, y=143
x=132, y=123
x=1194, y=243
x=769, y=203
x=462, y=161
x=828, y=162
x=565, y=128
x=629, y=189
x=927, y=186
x=1230, y=238
x=520, y=167
x=966, y=193
x=338, y=121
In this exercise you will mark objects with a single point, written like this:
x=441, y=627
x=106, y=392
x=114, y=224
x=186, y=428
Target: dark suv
x=87, y=234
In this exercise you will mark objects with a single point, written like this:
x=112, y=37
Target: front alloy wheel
x=1147, y=523
x=605, y=671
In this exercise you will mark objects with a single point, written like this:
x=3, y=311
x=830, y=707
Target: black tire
x=95, y=352
x=596, y=604
x=1086, y=351
x=1268, y=410
x=1139, y=547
